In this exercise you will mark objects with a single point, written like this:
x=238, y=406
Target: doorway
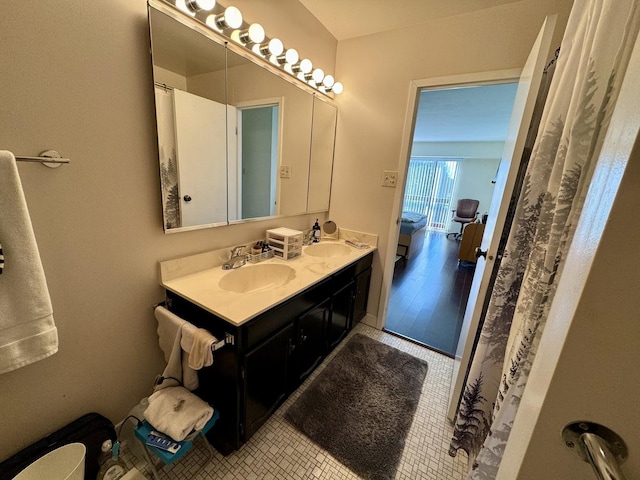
x=456, y=146
x=258, y=147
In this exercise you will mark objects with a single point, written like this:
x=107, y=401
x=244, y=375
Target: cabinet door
x=312, y=339
x=362, y=295
x=341, y=313
x=265, y=378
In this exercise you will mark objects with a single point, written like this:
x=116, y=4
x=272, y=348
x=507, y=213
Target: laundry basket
x=64, y=463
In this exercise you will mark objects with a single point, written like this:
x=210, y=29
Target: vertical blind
x=430, y=184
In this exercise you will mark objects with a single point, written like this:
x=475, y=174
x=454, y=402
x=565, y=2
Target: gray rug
x=360, y=407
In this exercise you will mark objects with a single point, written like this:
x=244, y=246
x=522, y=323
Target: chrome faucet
x=238, y=258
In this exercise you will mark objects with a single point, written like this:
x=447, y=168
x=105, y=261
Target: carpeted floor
x=361, y=406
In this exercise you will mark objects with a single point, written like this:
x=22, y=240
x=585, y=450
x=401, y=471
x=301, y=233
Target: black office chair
x=466, y=212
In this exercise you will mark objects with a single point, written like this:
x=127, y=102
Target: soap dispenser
x=316, y=232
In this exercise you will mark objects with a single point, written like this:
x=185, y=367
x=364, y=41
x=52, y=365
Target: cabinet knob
x=303, y=337
x=292, y=346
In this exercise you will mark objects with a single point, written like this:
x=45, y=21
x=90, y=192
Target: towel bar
x=228, y=339
x=49, y=158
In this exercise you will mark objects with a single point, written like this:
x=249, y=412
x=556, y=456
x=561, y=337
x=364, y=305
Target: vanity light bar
x=253, y=38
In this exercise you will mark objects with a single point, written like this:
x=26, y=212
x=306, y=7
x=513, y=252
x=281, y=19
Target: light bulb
x=230, y=18
x=272, y=47
x=253, y=34
x=304, y=66
x=317, y=76
x=337, y=88
x=197, y=5
x=328, y=81
x=183, y=7
x=290, y=57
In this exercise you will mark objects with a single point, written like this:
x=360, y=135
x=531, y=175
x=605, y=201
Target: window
x=430, y=184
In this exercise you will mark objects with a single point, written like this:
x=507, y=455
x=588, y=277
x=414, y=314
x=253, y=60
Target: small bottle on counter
x=316, y=231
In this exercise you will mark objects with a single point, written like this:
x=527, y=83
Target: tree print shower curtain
x=593, y=57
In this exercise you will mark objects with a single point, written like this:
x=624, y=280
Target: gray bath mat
x=360, y=407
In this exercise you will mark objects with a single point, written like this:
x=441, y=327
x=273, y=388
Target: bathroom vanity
x=281, y=330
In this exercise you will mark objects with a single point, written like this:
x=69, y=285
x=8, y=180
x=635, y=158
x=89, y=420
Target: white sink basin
x=327, y=250
x=257, y=277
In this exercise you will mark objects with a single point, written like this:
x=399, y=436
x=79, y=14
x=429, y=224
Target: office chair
x=466, y=212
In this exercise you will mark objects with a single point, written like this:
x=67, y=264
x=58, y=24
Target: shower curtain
x=593, y=57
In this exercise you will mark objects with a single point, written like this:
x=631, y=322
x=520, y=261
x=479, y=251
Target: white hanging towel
x=186, y=348
x=27, y=330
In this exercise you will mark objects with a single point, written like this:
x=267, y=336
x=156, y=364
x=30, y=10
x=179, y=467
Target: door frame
x=436, y=83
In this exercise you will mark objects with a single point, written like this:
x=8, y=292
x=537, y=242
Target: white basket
x=260, y=257
x=285, y=242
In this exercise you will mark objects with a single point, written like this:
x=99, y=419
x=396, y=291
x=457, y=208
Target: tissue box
x=285, y=242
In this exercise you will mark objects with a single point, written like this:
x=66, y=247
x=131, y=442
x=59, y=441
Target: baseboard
x=370, y=320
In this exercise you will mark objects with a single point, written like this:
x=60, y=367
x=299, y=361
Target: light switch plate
x=285, y=171
x=389, y=178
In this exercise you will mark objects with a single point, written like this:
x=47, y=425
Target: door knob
x=480, y=253
x=187, y=198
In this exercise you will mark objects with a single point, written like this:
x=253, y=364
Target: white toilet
x=64, y=463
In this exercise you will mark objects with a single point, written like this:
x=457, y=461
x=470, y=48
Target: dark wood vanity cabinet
x=274, y=352
x=361, y=296
x=311, y=345
x=341, y=314
x=265, y=373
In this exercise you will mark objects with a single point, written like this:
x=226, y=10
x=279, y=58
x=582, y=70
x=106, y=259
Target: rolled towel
x=176, y=412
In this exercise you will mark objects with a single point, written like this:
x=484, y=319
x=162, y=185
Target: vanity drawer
x=344, y=276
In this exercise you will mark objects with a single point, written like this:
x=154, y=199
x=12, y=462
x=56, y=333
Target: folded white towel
x=27, y=330
x=176, y=412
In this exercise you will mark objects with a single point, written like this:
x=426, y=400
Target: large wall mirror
x=236, y=141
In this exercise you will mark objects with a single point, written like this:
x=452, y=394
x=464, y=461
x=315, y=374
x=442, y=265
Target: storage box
x=285, y=242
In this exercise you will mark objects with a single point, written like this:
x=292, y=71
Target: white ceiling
x=470, y=114
x=354, y=18
x=464, y=114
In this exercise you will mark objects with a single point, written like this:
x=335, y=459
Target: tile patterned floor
x=279, y=451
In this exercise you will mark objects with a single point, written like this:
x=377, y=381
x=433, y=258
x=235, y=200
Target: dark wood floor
x=429, y=295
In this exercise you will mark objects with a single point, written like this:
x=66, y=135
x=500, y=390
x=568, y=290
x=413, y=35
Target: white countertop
x=202, y=287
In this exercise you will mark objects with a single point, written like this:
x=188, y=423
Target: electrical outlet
x=389, y=178
x=285, y=171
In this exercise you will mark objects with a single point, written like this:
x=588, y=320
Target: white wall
x=474, y=181
x=77, y=77
x=376, y=71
